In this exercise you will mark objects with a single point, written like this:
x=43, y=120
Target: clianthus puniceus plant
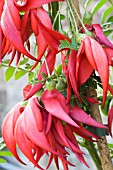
x=56, y=108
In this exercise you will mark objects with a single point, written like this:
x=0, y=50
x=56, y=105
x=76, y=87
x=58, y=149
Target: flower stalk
x=93, y=153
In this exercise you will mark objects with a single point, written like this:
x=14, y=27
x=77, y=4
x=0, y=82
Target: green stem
x=16, y=69
x=47, y=66
x=55, y=9
x=72, y=19
x=57, y=19
x=2, y=146
x=111, y=2
x=74, y=8
x=93, y=153
x=83, y=5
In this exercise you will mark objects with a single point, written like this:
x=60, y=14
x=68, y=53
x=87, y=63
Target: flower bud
x=61, y=85
x=50, y=84
x=80, y=37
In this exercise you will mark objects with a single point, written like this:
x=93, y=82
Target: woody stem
x=101, y=143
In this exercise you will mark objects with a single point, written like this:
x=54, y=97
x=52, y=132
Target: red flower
x=39, y=130
x=17, y=30
x=12, y=33
x=8, y=127
x=96, y=29
x=44, y=33
x=99, y=35
x=91, y=56
x=57, y=105
x=72, y=71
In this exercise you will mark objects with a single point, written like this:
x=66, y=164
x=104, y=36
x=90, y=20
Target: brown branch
x=102, y=143
x=76, y=4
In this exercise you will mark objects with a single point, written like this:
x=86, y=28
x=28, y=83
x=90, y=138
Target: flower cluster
x=38, y=130
x=15, y=30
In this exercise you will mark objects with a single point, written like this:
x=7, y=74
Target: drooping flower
x=40, y=130
x=57, y=104
x=98, y=33
x=32, y=22
x=91, y=56
x=72, y=70
x=21, y=26
x=8, y=127
x=11, y=33
x=44, y=33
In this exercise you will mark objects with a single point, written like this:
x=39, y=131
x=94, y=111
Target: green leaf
x=107, y=24
x=110, y=19
x=9, y=73
x=28, y=66
x=30, y=76
x=105, y=109
x=87, y=3
x=23, y=61
x=110, y=145
x=5, y=153
x=106, y=13
x=98, y=6
x=79, y=103
x=19, y=74
x=1, y=65
x=108, y=32
x=64, y=44
x=5, y=61
x=67, y=44
x=72, y=102
x=2, y=160
x=84, y=99
x=62, y=17
x=74, y=44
